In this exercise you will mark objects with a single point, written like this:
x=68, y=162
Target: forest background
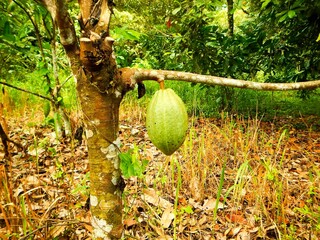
x=266, y=41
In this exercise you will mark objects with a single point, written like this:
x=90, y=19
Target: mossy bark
x=101, y=111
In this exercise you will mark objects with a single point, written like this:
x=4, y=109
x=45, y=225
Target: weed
x=176, y=177
x=131, y=164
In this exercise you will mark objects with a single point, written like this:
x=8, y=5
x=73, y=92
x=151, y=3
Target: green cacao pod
x=46, y=108
x=167, y=121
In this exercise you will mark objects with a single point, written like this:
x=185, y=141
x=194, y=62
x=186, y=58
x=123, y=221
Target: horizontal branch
x=131, y=76
x=23, y=90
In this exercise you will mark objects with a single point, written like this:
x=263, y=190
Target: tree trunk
x=101, y=112
x=230, y=17
x=100, y=94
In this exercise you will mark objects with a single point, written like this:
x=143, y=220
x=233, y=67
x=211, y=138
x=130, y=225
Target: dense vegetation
x=272, y=41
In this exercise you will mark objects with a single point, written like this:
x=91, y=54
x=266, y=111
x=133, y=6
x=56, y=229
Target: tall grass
x=205, y=101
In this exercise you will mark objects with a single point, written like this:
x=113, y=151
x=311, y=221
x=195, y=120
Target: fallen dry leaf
x=210, y=204
x=167, y=217
x=236, y=218
x=129, y=222
x=231, y=232
x=150, y=196
x=243, y=236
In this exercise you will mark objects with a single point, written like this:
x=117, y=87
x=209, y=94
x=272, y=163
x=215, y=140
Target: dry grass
x=270, y=186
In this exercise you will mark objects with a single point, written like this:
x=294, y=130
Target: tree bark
x=230, y=17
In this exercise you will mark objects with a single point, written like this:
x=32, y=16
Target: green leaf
x=175, y=11
x=59, y=99
x=291, y=13
x=131, y=165
x=46, y=108
x=134, y=35
x=10, y=38
x=43, y=71
x=297, y=4
x=318, y=39
x=284, y=17
x=126, y=164
x=265, y=3
x=187, y=209
x=127, y=34
x=6, y=28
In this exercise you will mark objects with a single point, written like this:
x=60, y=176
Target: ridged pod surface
x=167, y=121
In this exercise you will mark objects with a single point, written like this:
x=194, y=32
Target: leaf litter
x=270, y=187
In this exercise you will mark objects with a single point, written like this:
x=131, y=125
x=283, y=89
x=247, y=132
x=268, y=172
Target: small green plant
x=24, y=215
x=187, y=209
x=311, y=216
x=60, y=171
x=131, y=164
x=82, y=187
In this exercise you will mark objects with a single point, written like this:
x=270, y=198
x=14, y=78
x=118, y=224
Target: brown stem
x=162, y=87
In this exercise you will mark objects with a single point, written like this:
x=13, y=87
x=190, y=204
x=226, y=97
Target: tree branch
x=35, y=26
x=131, y=76
x=23, y=90
x=68, y=38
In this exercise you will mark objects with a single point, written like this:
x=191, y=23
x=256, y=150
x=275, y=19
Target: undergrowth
x=235, y=174
x=252, y=172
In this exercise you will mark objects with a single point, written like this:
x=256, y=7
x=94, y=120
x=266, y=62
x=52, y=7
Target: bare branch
x=105, y=17
x=132, y=76
x=85, y=9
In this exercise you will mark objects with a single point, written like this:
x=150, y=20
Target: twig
x=66, y=80
x=5, y=139
x=64, y=223
x=27, y=91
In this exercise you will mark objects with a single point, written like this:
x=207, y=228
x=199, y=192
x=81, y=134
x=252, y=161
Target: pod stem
x=161, y=85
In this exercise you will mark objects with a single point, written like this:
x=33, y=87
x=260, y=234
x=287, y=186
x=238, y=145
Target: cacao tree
x=101, y=87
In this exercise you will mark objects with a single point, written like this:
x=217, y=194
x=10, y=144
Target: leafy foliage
x=274, y=41
x=26, y=38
